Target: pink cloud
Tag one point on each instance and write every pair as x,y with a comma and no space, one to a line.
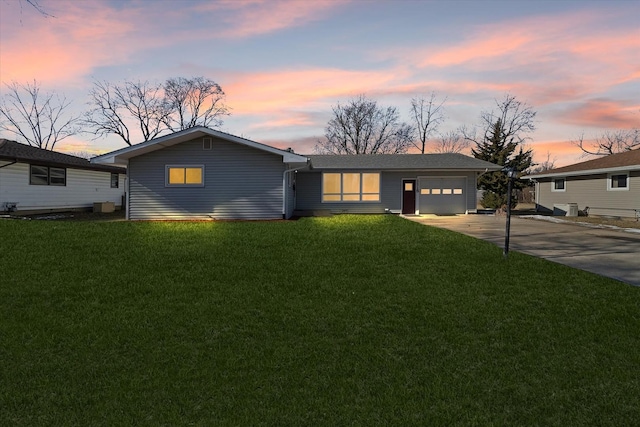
251,93
254,17
603,113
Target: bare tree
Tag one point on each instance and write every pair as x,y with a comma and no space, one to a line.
427,114
516,117
610,142
546,165
115,108
40,119
151,109
451,142
363,127
196,101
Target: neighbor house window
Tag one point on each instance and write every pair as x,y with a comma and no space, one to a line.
558,184
115,180
618,182
351,187
185,176
45,175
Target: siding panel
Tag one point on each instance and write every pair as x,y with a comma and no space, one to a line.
591,191
239,183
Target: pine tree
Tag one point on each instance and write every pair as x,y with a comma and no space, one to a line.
501,149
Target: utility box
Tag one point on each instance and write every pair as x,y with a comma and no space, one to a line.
573,209
104,207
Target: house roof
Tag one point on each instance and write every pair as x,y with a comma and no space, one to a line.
17,152
123,155
445,161
620,162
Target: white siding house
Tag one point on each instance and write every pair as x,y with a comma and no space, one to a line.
36,180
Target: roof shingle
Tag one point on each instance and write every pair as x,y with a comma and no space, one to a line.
626,160
445,161
12,150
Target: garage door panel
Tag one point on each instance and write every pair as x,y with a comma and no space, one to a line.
442,195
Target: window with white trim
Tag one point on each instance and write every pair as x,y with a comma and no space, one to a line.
616,182
351,187
47,175
115,180
184,176
558,184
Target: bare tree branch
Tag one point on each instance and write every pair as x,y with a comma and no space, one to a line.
451,142
427,115
197,101
39,119
610,142
36,5
362,127
517,120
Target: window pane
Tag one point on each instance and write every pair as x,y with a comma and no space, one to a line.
39,175
457,191
331,183
559,184
57,176
408,186
446,191
351,183
194,176
115,180
435,191
371,197
351,197
331,198
176,175
371,183
424,191
618,181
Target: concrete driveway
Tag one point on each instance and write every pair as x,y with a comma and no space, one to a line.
610,253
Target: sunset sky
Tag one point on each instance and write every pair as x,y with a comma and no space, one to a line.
283,65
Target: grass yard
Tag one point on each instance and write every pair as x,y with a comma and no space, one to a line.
350,320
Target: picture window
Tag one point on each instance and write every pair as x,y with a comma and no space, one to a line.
351,187
47,175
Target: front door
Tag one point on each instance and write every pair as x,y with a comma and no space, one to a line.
409,196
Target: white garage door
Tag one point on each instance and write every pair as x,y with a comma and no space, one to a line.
442,195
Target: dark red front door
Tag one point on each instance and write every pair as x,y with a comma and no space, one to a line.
409,196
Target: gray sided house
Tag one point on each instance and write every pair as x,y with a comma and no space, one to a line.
33,180
200,173
397,183
608,186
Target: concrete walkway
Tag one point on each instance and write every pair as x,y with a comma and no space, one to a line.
610,253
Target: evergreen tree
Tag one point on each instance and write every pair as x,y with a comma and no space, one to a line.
502,149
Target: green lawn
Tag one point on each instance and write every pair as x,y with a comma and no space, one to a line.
350,320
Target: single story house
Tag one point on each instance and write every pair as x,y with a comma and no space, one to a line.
200,173
606,186
33,180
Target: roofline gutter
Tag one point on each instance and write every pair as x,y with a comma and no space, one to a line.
583,172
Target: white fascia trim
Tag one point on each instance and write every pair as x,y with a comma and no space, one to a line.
584,172
122,155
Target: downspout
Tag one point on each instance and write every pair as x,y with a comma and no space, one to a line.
284,188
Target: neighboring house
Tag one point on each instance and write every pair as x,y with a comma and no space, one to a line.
606,186
34,180
200,173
